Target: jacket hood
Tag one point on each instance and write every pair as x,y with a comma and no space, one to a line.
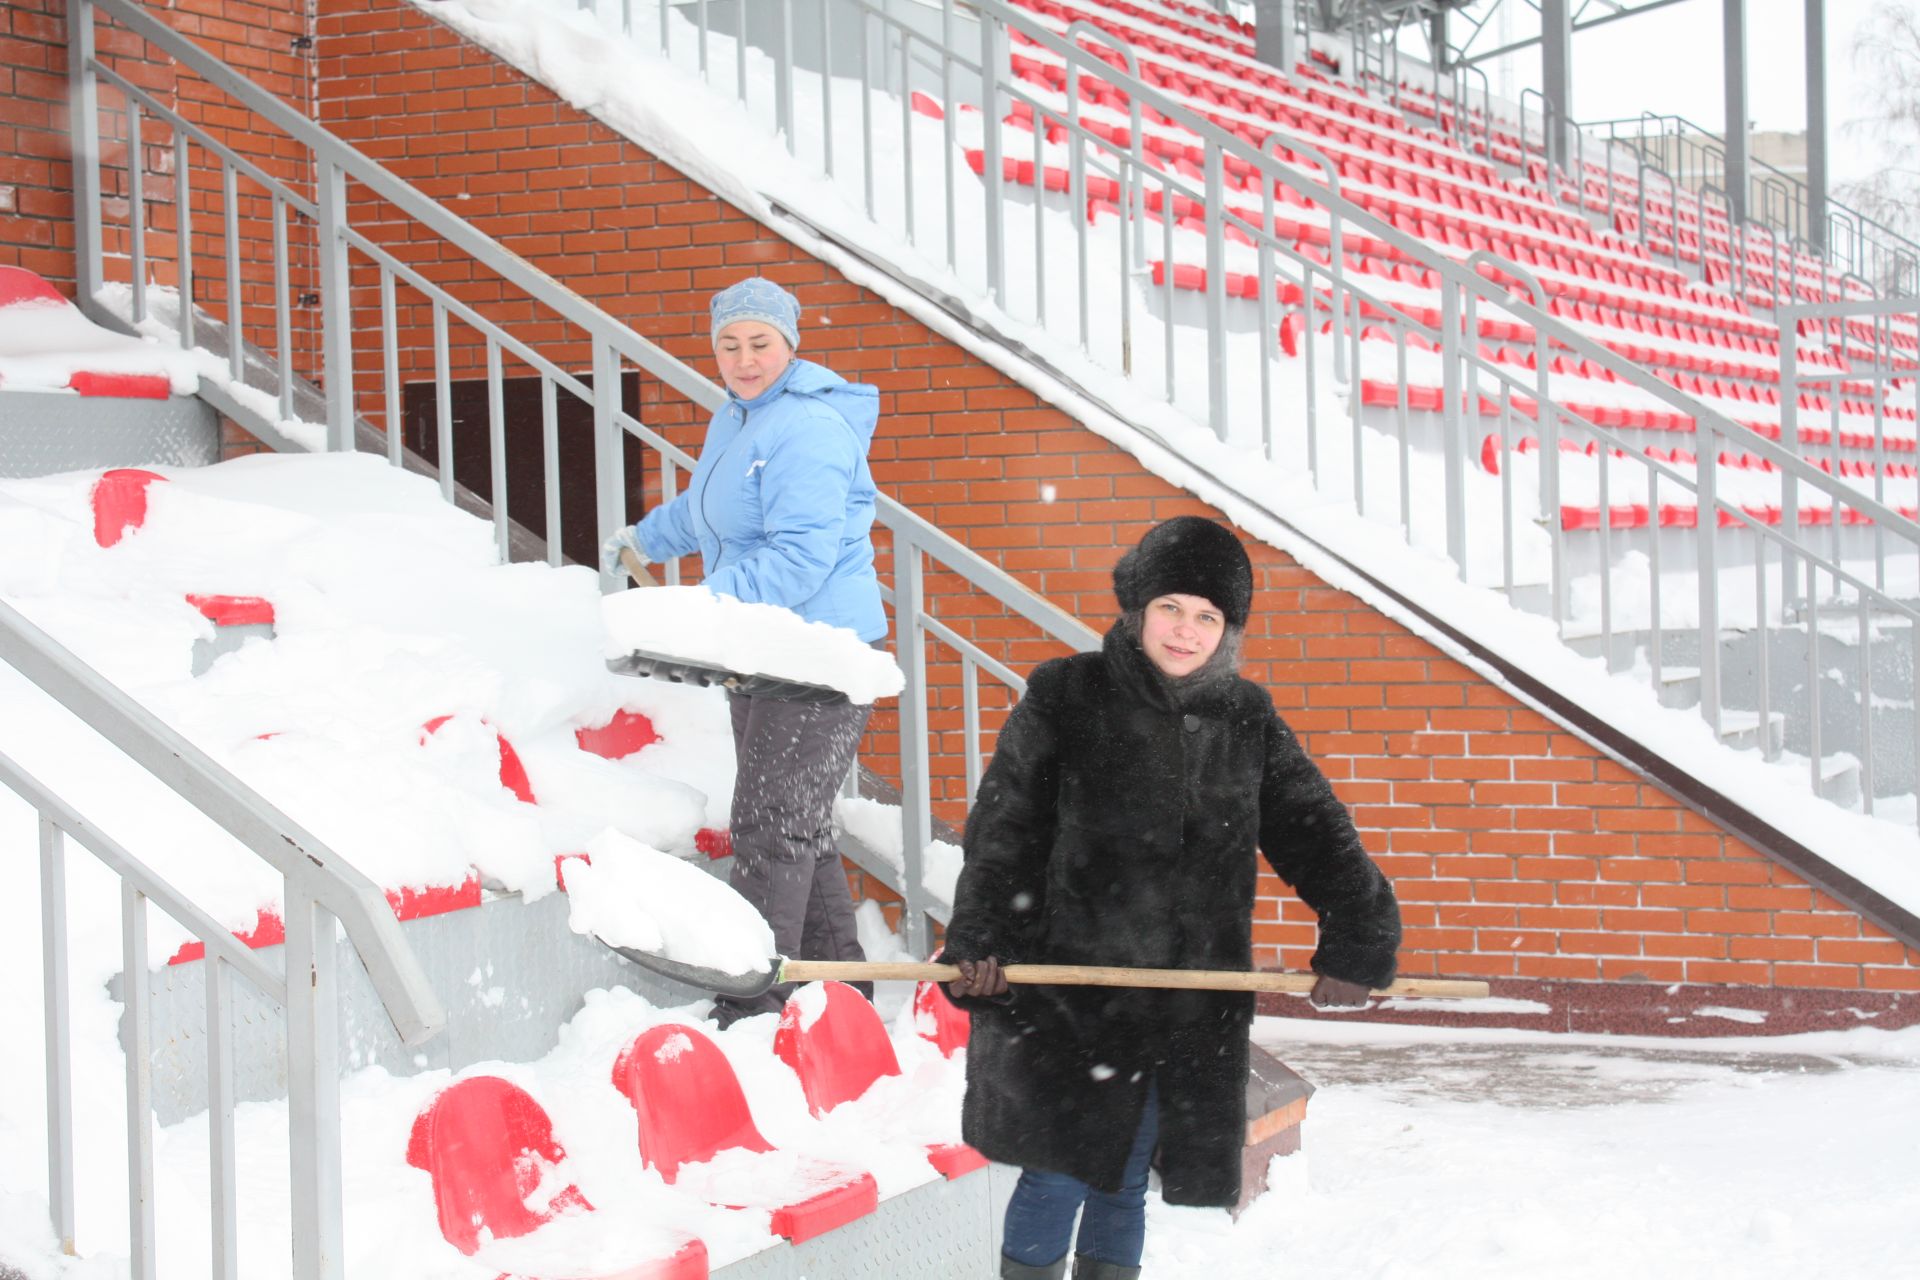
856,402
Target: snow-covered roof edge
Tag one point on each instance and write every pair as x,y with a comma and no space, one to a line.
1870,863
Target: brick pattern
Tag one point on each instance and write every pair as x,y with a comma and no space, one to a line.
35,156
1518,851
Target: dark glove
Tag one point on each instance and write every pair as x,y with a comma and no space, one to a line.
1338,993
981,979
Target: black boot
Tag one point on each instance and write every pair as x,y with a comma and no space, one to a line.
1011,1270
1088,1268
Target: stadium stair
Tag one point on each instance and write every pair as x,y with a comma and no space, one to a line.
81,396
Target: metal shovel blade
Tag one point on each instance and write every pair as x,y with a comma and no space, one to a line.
740,986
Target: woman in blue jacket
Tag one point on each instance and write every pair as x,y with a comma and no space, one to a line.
780,508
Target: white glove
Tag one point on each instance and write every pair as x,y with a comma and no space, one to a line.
610,551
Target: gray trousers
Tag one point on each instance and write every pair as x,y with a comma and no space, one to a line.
790,759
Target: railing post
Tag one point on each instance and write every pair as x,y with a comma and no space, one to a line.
991,43
1217,292
916,780
136,1039
59,1032
783,75
1453,416
1706,533
83,98
336,310
1789,484
609,457
313,1089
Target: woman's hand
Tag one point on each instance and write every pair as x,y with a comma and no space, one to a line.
1337,993
623,540
982,978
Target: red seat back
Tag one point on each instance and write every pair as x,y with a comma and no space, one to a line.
686,1095
939,1020
120,503
835,1042
487,1145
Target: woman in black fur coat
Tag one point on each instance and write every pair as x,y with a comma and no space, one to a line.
1117,825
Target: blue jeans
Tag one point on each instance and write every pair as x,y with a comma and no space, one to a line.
1113,1225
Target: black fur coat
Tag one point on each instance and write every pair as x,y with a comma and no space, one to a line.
1117,825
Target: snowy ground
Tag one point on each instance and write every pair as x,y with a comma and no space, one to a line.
1434,1153
1500,1153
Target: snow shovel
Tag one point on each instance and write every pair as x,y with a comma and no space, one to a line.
658,666
745,986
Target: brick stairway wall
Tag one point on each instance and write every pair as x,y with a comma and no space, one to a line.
258,40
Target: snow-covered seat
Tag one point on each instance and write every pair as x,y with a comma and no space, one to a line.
835,1042
837,1045
47,344
696,1130
490,1149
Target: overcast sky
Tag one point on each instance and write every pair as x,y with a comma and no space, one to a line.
1669,62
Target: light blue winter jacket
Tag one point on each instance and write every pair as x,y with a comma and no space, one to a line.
780,505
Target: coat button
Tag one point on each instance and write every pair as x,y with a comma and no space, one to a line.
1191,723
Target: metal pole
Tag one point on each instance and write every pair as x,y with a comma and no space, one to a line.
1215,176
1556,75
1274,41
1817,177
996,264
1734,49
59,1038
83,97
609,458
1453,416
1706,530
313,1089
137,1037
783,76
336,309
223,1185
916,781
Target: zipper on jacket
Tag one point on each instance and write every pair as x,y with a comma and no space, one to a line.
742,411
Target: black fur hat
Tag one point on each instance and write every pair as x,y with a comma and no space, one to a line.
1191,556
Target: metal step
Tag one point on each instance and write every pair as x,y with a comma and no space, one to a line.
1742,730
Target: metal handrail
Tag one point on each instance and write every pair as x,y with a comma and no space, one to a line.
319,888
1867,236
1346,297
612,340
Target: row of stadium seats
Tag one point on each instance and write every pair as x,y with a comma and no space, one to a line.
500,1173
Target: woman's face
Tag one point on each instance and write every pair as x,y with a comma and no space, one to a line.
752,356
1179,633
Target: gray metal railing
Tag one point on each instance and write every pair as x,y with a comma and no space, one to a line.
1694,158
376,335
1464,303
319,889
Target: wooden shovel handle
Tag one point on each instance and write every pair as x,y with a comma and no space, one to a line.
636,570
1081,975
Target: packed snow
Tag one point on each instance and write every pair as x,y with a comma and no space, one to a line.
45,341
695,625
628,895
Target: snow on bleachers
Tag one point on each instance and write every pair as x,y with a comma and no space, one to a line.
1702,339
46,344
448,724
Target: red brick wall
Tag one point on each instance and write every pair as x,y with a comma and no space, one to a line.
35,152
1519,852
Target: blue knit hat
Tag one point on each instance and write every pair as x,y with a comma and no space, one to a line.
757,298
